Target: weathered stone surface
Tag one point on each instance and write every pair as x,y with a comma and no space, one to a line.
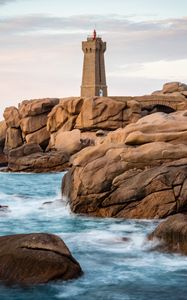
72,105
32,124
40,137
63,116
12,117
3,130
184,93
115,181
36,107
13,139
172,234
39,162
25,150
93,113
158,127
172,87
101,113
68,141
175,90
36,258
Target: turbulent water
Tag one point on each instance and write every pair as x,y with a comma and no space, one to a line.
113,253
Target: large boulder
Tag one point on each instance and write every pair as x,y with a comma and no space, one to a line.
176,89
36,107
172,87
13,139
37,161
101,113
34,123
115,181
40,137
12,117
36,258
25,150
158,127
68,141
63,116
171,234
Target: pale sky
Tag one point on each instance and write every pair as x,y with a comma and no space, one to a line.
40,52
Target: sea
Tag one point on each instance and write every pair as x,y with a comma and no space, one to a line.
117,260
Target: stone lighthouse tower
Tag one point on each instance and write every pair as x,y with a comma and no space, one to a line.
93,77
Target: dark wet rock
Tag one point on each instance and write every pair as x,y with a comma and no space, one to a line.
47,203
3,160
125,239
4,208
36,258
171,234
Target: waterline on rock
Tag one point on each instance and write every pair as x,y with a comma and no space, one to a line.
113,253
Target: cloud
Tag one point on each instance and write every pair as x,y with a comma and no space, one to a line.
41,55
3,2
139,41
154,70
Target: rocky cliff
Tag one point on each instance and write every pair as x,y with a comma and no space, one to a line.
127,156
42,134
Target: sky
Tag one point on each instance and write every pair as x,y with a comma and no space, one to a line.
40,46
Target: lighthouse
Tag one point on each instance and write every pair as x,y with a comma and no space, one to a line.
93,77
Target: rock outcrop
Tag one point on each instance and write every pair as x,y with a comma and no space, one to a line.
89,115
29,108
171,234
27,123
36,258
157,127
128,183
13,139
70,124
31,158
176,88
131,177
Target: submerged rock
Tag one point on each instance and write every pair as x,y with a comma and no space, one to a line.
36,258
4,208
172,234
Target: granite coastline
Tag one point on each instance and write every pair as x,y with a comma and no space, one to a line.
125,157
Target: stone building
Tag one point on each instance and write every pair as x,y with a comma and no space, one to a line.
93,77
